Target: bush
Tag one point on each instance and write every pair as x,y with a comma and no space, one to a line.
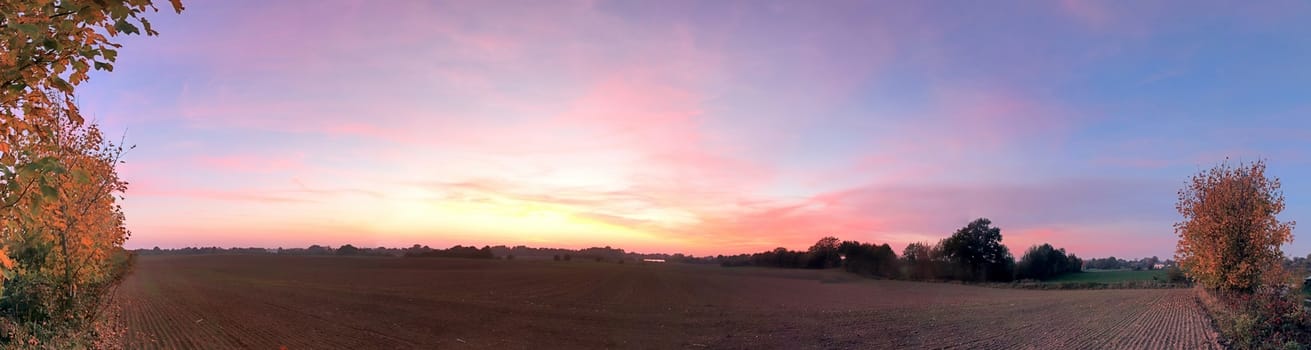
1231,235
1175,275
1269,318
39,315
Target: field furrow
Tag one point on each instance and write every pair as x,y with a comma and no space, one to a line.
230,302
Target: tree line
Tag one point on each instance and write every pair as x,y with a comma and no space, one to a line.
596,254
458,251
415,251
972,253
1113,263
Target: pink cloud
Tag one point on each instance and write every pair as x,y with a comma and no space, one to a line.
966,128
996,118
147,189
252,163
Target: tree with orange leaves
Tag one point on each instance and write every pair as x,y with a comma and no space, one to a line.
1230,237
48,47
63,240
61,229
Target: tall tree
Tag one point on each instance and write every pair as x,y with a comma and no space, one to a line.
824,254
1230,235
62,244
62,229
977,252
918,260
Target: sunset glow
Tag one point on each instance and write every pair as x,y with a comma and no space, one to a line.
702,127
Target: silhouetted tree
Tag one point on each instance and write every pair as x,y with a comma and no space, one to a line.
976,251
457,251
1110,263
348,250
824,254
1044,262
779,257
318,250
869,259
416,250
918,260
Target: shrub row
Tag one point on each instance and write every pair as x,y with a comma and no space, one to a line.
1269,318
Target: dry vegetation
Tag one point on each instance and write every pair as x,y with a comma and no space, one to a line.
334,302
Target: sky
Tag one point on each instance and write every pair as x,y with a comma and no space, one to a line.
703,127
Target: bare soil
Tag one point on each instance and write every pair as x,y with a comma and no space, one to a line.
225,302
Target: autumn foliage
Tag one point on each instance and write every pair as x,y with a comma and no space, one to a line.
47,47
61,228
1230,236
63,238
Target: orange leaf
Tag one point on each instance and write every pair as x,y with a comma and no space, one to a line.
5,260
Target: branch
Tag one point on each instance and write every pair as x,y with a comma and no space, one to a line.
20,195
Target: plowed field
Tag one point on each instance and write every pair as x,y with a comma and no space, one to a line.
226,302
